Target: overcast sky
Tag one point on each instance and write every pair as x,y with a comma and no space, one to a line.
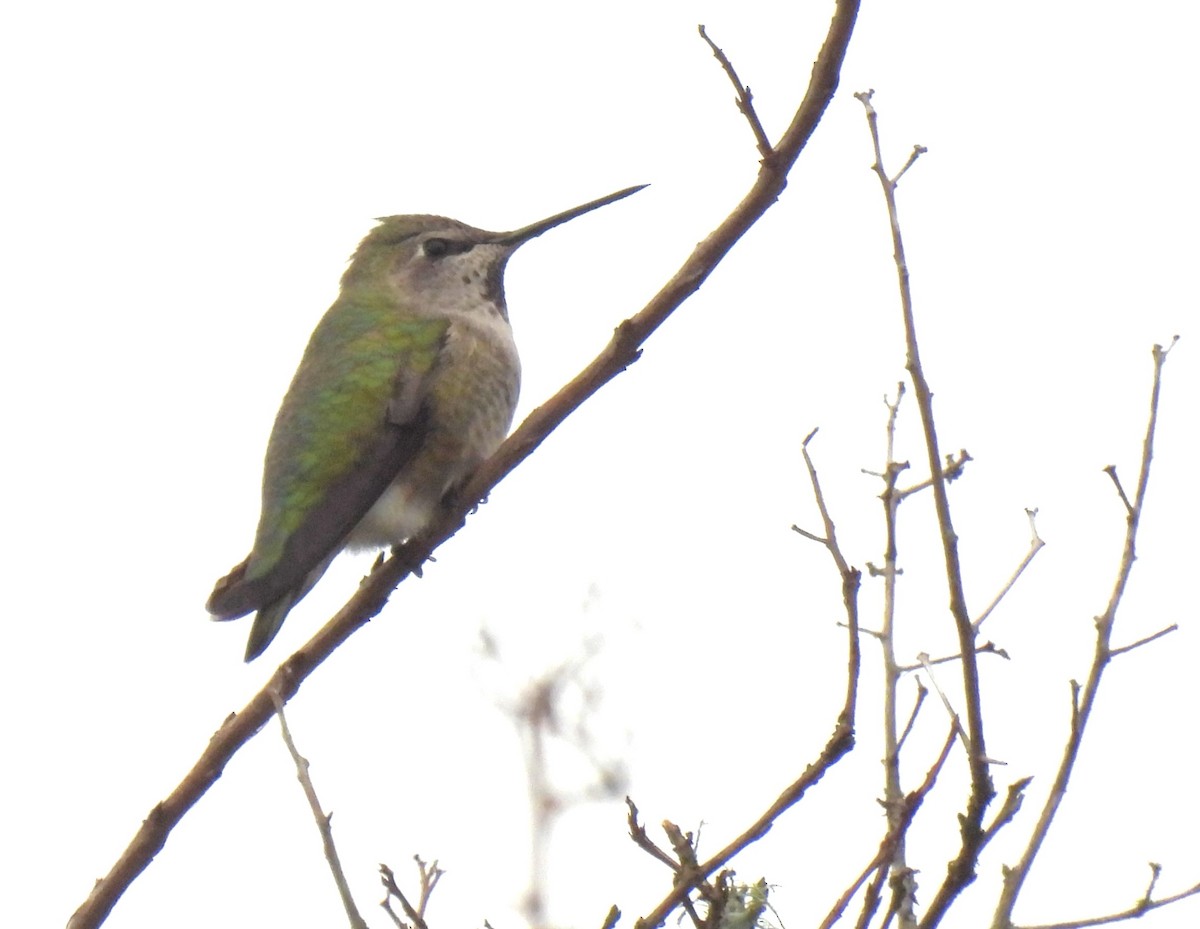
181,189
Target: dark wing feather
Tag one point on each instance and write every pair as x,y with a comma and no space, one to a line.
325,528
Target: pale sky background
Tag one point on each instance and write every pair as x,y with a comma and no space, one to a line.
181,188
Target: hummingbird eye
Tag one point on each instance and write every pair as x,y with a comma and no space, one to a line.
439,248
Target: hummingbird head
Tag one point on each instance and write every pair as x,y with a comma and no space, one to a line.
438,266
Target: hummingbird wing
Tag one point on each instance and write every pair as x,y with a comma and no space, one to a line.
354,415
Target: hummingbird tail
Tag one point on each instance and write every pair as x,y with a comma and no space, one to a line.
267,623
270,617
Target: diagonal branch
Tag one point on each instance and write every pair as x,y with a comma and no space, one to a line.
1014,877
1139,909
323,820
623,349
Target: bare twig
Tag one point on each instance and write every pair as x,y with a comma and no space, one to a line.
952,470
322,819
1012,805
917,152
851,578
745,99
1145,640
622,350
950,711
429,873
642,839
1141,908
829,540
1084,699
922,693
987,648
961,871
1035,546
1111,471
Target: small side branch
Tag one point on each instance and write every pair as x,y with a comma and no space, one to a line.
745,99
986,648
1113,653
1141,908
1035,545
323,820
851,579
430,874
1012,805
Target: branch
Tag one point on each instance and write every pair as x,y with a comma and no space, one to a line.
622,350
987,648
1035,546
429,873
1084,699
323,821
1145,640
961,871
1012,805
1142,907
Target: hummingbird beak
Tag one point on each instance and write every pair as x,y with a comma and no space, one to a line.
536,229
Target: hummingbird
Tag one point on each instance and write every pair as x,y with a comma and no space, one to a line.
408,384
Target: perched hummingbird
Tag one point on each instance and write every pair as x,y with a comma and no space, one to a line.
408,383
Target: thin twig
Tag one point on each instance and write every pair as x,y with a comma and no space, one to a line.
950,711
1111,471
829,540
987,648
1035,546
952,470
1146,640
917,152
922,693
388,879
323,821
851,578
1142,907
745,99
642,839
1012,805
